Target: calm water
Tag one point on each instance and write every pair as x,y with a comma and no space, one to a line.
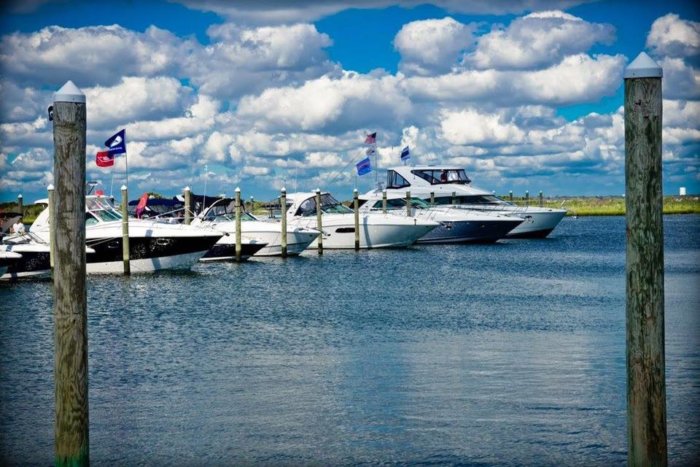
511,353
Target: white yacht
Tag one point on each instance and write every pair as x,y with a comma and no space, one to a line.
451,186
221,216
153,245
456,225
8,258
377,230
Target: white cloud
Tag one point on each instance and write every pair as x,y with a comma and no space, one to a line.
537,40
335,105
468,127
680,80
135,98
89,55
672,36
578,78
431,46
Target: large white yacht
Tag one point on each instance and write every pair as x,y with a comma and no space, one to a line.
153,245
8,258
451,186
456,225
221,216
377,230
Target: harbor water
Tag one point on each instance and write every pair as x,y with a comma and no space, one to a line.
510,353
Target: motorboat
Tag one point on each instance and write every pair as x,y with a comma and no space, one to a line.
449,185
7,258
153,245
221,216
456,225
377,230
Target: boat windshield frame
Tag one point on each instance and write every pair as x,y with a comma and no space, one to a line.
223,211
102,209
329,205
443,176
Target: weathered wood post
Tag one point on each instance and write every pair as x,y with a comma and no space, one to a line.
510,195
283,212
408,203
646,385
52,227
356,208
319,221
20,204
432,198
125,231
238,224
527,198
454,197
71,428
187,194
384,201
252,205
541,199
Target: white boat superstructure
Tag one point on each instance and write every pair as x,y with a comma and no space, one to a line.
153,245
449,185
456,225
221,216
377,230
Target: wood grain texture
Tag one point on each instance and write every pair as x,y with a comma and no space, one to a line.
646,387
356,208
319,222
238,226
125,233
283,210
70,297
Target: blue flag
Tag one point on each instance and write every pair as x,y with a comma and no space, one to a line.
364,166
117,143
405,154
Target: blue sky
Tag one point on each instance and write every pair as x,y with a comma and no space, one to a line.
526,95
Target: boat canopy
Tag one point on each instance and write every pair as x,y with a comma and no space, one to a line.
224,210
432,175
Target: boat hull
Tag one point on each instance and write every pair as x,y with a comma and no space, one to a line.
35,262
537,223
225,250
481,231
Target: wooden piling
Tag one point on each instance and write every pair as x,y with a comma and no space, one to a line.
283,212
71,428
187,194
52,227
252,205
527,198
356,209
20,204
408,203
319,221
384,201
510,195
125,231
541,199
432,198
454,197
646,387
238,224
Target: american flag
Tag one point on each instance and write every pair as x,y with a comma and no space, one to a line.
371,138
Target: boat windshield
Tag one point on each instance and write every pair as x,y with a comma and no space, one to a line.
225,212
102,210
443,176
329,205
489,200
400,203
395,180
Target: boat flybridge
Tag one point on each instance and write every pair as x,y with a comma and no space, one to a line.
450,185
221,216
153,245
377,230
456,225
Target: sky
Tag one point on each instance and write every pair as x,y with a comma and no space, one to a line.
265,94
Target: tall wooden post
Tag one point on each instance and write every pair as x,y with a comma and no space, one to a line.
283,212
252,205
541,199
71,428
646,385
125,230
432,198
408,203
319,221
187,194
356,209
238,224
52,227
20,204
454,197
527,198
384,201
510,195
